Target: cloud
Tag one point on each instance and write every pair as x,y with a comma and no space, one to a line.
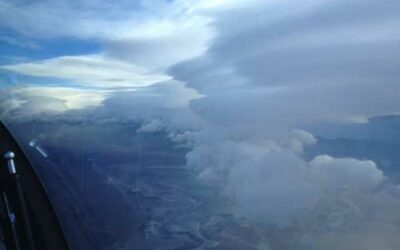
183,139
83,16
298,139
293,68
90,70
91,18
160,52
139,40
32,101
284,186
347,174
262,79
264,174
154,34
167,102
152,126
324,203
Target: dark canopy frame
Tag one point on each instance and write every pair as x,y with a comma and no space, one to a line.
43,222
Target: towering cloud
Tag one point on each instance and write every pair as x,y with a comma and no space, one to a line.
281,65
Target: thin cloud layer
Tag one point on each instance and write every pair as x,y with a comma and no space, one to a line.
92,70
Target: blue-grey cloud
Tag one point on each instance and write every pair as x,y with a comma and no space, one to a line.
282,65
